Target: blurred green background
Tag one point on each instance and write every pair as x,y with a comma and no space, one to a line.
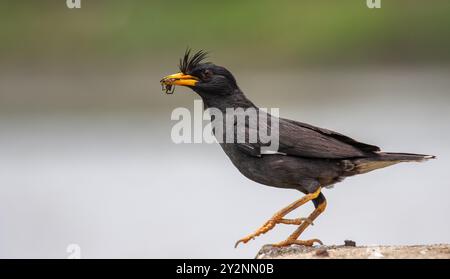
282,32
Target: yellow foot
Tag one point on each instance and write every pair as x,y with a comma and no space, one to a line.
288,242
270,225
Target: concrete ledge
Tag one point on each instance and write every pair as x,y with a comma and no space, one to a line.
351,251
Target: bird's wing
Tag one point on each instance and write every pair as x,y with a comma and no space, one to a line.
304,140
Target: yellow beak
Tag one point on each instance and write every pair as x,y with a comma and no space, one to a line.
179,79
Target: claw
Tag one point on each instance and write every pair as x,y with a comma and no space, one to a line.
243,240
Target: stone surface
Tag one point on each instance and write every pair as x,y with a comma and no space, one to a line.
437,251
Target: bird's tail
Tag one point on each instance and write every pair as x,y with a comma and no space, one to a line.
385,159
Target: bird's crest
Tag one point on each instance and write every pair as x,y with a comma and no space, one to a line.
188,62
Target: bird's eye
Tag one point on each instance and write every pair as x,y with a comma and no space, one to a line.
206,74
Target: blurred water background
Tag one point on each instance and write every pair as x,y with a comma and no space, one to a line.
85,150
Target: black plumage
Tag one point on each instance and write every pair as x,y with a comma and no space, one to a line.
308,157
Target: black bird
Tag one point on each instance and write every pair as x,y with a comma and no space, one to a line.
308,157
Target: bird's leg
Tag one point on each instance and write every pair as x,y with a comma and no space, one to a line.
292,239
277,218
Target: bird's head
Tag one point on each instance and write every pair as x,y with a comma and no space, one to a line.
205,78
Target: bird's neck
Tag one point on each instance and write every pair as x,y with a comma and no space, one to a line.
235,100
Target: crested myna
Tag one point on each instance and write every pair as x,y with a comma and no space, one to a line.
308,157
